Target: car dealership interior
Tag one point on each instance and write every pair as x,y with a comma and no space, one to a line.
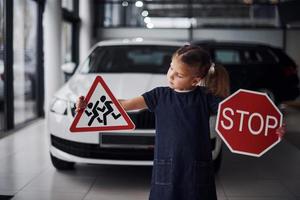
56,53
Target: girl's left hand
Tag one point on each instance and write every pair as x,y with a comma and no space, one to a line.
281,131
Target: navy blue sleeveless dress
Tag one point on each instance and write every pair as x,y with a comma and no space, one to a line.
183,168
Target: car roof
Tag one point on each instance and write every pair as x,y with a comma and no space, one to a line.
232,44
139,41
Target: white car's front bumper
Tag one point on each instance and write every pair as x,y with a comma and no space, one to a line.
85,147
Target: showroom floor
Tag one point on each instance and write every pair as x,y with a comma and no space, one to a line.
27,173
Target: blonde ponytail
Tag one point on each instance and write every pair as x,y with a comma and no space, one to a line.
217,80
211,69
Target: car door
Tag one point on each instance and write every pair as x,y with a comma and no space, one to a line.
246,66
231,59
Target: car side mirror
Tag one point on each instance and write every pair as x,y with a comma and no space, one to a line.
68,68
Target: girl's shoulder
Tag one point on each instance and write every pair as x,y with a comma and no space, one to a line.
203,90
162,89
158,91
206,93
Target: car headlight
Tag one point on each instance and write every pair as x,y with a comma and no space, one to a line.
59,106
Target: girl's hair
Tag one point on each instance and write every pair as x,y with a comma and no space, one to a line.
217,81
195,56
214,77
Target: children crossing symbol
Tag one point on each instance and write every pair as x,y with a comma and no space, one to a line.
103,111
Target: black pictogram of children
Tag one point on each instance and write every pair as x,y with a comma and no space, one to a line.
93,110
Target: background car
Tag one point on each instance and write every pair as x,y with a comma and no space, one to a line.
258,67
129,68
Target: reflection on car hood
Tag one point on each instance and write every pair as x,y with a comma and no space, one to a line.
123,86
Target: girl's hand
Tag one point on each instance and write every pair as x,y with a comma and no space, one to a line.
80,104
281,131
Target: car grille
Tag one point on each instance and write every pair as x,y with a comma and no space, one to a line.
95,151
143,119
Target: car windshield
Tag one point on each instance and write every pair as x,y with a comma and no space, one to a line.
129,59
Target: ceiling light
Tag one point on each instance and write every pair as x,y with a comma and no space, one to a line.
125,3
150,25
139,39
147,20
139,4
145,13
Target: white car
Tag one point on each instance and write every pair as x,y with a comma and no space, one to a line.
129,68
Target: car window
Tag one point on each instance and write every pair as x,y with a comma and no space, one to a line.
227,56
244,56
252,56
129,59
267,56
140,57
281,56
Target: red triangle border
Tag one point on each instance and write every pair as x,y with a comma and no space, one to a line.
130,125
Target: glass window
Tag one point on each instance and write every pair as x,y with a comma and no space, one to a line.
66,42
225,56
24,63
129,59
67,4
1,66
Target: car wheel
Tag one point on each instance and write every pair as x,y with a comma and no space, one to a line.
61,164
218,161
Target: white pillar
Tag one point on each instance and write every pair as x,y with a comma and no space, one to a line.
85,35
52,49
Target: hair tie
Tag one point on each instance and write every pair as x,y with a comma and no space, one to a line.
212,68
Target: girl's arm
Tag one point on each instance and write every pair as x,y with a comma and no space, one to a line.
136,103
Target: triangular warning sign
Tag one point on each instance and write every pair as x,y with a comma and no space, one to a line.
103,111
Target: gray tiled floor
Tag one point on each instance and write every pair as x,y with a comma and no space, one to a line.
27,173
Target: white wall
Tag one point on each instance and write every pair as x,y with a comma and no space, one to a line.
52,48
268,36
165,34
85,33
293,46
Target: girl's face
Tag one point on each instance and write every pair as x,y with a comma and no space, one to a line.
182,77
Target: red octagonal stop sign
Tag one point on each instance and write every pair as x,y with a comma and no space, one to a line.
247,122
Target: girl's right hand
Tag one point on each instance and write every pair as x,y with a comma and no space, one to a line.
80,104
281,131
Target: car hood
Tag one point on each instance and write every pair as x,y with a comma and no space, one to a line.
123,86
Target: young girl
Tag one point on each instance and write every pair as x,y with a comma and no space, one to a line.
183,167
